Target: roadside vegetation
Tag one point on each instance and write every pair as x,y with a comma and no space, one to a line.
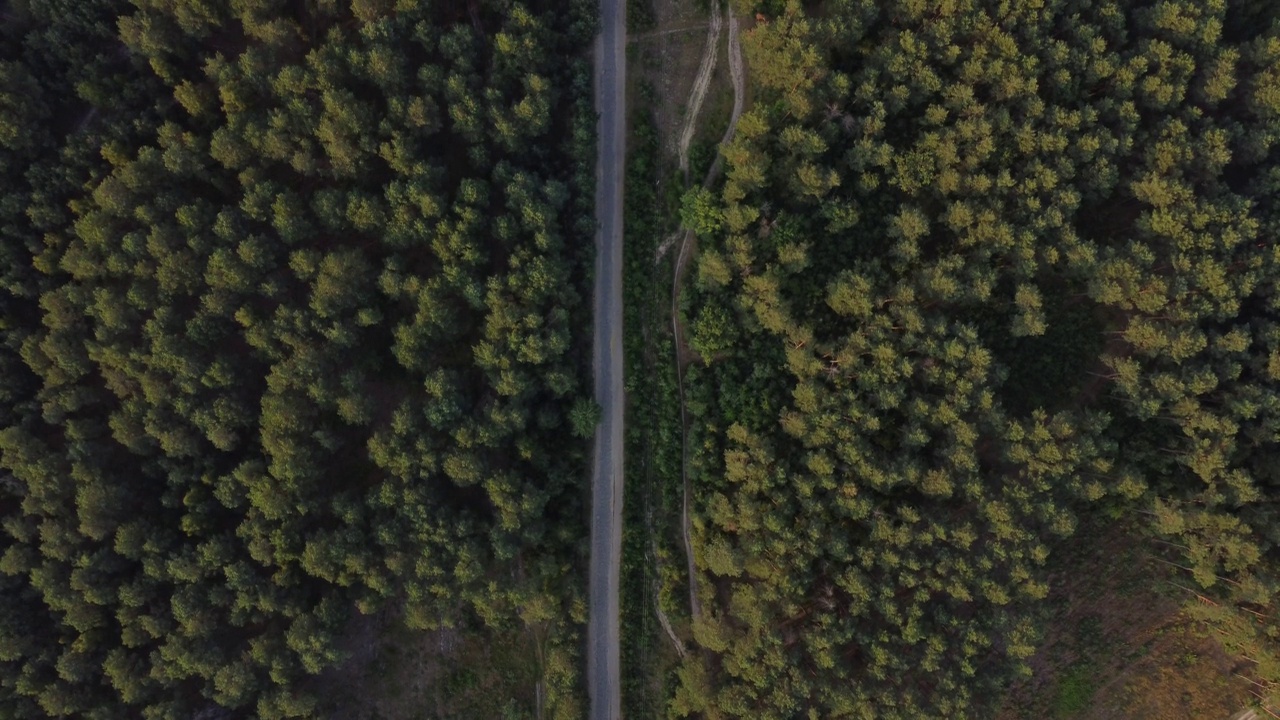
289,299
982,274
653,582
667,70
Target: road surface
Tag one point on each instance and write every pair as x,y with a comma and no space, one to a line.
606,471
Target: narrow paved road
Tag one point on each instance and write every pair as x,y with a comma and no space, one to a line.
606,471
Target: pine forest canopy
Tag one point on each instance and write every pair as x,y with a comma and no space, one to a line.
978,269
288,299
287,291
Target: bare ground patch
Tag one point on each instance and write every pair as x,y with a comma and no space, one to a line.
396,673
668,61
1120,646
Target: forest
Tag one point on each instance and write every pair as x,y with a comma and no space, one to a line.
980,273
289,292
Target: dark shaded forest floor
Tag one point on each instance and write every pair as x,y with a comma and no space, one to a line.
394,673
1118,643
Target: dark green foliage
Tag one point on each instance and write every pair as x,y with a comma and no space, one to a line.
583,418
286,333
1073,693
640,16
639,631
653,489
1049,370
984,267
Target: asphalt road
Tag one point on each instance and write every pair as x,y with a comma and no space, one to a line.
606,472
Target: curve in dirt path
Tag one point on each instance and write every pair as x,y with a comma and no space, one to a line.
603,685
700,85
738,77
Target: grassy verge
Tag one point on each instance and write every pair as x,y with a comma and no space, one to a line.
652,495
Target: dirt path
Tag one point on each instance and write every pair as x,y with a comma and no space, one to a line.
686,527
738,77
641,37
663,620
737,74
700,85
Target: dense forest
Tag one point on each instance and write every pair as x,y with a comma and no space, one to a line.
978,270
288,291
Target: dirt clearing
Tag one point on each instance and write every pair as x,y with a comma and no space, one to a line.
1120,646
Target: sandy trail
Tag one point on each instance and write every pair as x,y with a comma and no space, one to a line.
663,620
700,85
737,75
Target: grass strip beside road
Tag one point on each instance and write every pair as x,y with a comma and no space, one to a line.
652,500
